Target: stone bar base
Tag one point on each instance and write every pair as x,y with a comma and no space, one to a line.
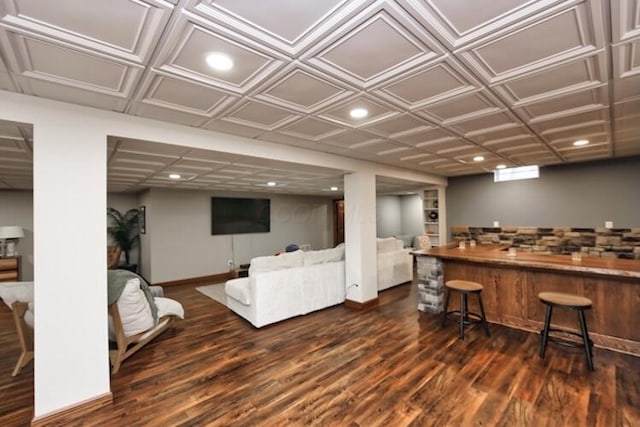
430,284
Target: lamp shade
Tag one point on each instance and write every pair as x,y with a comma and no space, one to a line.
11,232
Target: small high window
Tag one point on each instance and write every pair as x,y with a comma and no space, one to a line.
512,174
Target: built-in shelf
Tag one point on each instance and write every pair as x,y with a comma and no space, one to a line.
433,215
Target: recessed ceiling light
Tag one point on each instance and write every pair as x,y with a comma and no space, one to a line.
219,61
581,142
271,184
501,166
334,188
359,113
478,158
175,176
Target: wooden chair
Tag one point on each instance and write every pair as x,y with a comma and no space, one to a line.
25,335
127,346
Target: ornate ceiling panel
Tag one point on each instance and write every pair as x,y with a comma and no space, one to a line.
516,81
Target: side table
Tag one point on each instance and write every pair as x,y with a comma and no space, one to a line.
240,272
11,269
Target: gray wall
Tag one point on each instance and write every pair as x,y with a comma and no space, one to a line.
397,215
577,195
388,216
412,215
122,201
16,208
180,245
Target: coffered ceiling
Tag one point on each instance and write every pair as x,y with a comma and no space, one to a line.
135,165
444,81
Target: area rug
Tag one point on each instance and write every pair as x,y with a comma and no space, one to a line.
215,292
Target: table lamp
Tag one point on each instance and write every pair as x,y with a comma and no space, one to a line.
9,234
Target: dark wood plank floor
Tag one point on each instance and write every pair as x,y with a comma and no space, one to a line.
387,366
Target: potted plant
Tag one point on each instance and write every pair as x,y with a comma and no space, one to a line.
123,229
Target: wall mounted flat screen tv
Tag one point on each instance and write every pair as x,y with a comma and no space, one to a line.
232,215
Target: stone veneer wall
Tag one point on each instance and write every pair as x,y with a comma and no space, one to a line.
603,242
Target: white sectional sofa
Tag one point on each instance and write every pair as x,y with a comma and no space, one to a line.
288,285
395,263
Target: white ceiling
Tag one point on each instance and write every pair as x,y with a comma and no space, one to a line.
135,165
444,80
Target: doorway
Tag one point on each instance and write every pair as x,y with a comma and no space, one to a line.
338,222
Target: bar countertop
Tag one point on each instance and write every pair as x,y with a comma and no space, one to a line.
496,254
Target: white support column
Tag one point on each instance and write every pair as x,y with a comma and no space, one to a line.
360,236
71,349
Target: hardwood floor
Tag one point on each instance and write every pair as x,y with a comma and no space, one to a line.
386,366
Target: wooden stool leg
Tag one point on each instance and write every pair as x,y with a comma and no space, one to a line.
585,338
466,311
447,294
484,317
463,314
545,331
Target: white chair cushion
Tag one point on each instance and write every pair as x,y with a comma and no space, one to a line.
11,292
134,309
238,289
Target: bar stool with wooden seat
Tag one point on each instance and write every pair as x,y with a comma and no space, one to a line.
571,302
465,288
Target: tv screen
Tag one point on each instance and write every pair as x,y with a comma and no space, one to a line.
231,215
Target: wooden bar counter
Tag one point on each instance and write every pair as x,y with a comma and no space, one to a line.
511,287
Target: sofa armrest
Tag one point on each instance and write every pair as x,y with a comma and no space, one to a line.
239,289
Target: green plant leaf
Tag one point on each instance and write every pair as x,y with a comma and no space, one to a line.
123,229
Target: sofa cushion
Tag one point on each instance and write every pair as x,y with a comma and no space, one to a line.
388,244
324,256
264,264
407,239
238,289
